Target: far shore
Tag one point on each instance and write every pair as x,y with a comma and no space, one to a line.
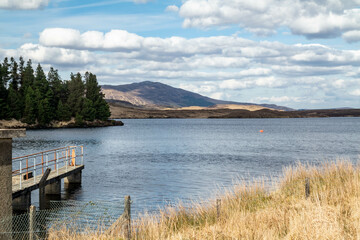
12,124
119,111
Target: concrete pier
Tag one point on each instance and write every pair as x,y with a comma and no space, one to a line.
53,188
73,178
22,203
6,136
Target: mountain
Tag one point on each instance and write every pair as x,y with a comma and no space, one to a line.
158,95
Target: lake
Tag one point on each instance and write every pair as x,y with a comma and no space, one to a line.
161,161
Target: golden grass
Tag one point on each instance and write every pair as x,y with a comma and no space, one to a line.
250,212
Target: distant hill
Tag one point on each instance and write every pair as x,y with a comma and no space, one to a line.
158,95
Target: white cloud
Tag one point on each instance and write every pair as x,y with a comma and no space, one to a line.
172,8
214,66
311,18
352,36
23,4
279,99
141,1
355,92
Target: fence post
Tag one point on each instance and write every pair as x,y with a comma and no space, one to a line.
32,222
218,207
307,187
127,216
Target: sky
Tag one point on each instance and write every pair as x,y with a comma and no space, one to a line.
303,54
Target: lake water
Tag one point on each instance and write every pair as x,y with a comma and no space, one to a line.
158,161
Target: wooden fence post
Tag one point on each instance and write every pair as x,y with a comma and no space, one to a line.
127,215
307,187
218,207
32,222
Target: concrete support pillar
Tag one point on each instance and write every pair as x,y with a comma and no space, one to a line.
22,203
53,188
6,136
73,178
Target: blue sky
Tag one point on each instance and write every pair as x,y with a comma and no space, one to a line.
296,53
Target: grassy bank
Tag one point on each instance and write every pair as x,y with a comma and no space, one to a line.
250,212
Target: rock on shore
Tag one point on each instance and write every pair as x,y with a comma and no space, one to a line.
59,124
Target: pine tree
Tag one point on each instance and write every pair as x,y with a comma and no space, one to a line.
93,93
14,103
76,93
14,76
28,77
63,112
40,81
30,106
88,111
4,78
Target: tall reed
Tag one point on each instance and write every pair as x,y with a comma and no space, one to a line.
249,211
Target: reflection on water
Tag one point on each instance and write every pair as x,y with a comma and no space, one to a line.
157,161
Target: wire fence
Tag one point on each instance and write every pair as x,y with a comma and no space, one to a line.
72,215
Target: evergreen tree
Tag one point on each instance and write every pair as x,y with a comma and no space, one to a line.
40,81
102,109
88,111
93,93
76,90
79,120
44,118
4,78
30,106
28,78
63,112
14,103
14,76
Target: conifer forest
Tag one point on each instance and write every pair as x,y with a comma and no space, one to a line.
33,97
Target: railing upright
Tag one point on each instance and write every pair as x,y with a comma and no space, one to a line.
27,167
57,162
82,155
42,163
34,170
21,174
66,159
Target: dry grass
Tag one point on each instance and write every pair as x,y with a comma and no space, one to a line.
250,212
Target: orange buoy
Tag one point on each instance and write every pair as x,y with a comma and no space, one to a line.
261,131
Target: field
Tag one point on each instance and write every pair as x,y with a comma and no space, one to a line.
249,211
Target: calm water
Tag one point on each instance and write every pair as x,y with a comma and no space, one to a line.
163,160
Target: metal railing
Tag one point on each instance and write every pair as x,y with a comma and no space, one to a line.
34,165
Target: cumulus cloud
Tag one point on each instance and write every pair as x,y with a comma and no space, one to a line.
23,4
280,99
311,18
172,8
352,36
221,66
355,92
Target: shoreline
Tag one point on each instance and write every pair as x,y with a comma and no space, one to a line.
122,112
14,124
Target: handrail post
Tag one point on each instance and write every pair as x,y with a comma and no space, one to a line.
82,155
27,168
66,160
57,162
42,163
20,174
34,170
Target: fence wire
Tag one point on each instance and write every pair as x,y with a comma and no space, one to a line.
71,215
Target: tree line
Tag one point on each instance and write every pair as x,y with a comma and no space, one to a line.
35,98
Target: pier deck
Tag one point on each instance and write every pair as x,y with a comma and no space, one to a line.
31,184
